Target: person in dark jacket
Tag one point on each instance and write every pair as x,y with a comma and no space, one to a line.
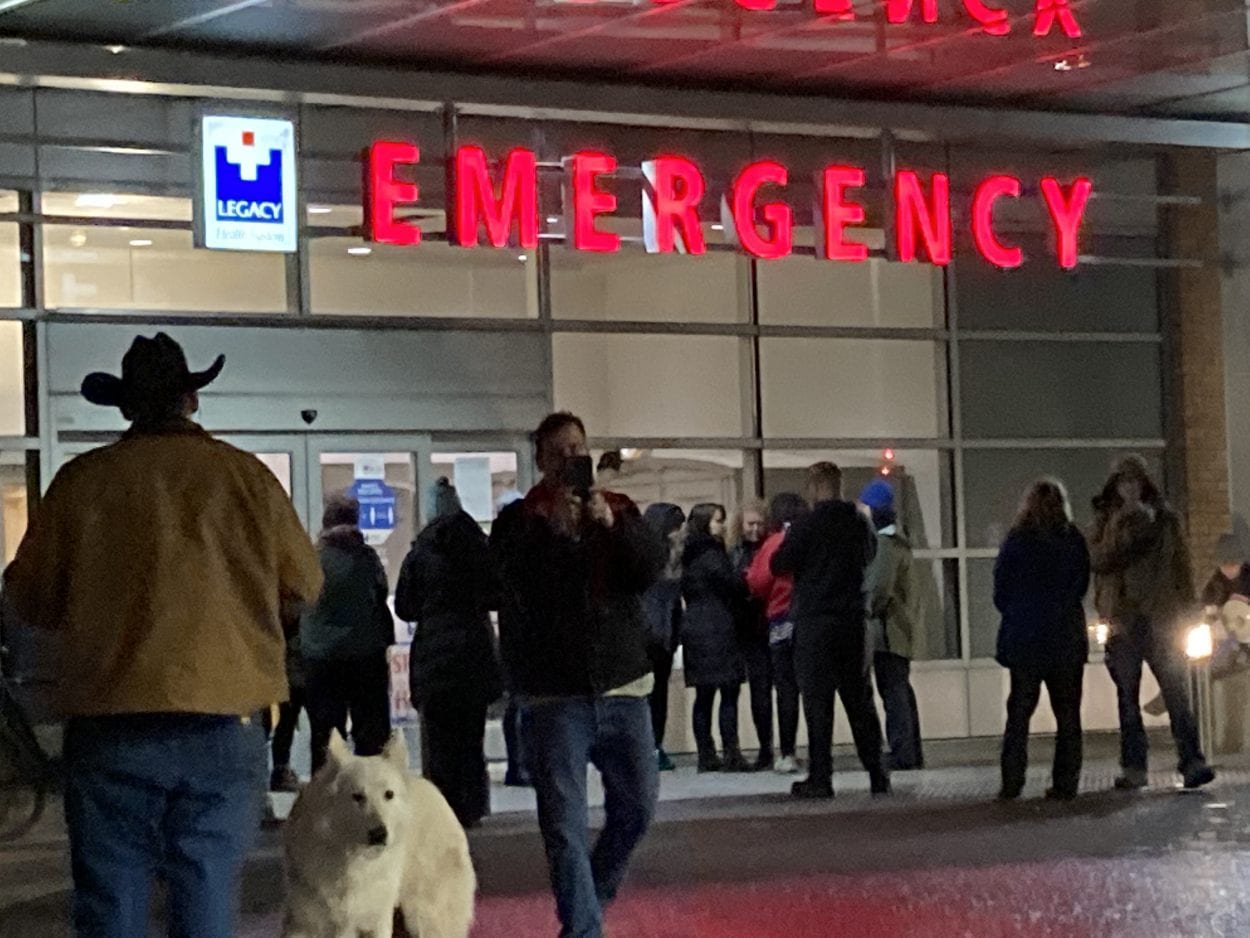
344,638
446,587
662,603
283,777
715,599
746,537
574,563
1040,580
895,614
828,553
1144,589
775,592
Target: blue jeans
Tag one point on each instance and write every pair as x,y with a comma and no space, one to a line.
613,734
177,796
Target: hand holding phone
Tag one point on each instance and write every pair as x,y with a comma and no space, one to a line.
578,475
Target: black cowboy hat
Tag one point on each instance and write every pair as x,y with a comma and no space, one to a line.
154,368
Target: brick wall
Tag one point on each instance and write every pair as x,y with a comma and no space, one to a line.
1194,360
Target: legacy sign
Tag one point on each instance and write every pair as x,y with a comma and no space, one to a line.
247,185
499,202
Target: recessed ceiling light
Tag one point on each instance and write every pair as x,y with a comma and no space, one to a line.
140,243
553,219
522,257
78,239
360,251
116,50
718,227
97,200
319,210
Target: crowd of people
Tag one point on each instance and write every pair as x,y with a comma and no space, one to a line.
180,629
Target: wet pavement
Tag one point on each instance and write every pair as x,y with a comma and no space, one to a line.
938,859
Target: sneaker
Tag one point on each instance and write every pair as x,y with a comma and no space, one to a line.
786,765
284,779
764,761
1132,780
663,762
807,790
1199,774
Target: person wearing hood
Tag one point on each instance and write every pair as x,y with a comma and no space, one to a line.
662,605
344,638
895,615
1040,580
715,599
828,552
447,588
1144,589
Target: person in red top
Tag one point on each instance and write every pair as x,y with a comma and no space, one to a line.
775,592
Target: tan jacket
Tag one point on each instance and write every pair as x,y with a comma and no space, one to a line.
163,562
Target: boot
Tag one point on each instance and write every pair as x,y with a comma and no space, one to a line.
709,761
736,762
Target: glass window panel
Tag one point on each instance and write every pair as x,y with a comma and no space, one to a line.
853,388
995,482
1092,298
921,480
805,291
349,277
650,385
15,512
12,380
339,472
1061,390
9,201
938,637
155,269
10,266
106,204
683,477
634,285
463,469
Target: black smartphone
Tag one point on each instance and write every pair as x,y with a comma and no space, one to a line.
579,475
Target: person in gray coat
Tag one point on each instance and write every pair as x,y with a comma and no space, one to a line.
715,597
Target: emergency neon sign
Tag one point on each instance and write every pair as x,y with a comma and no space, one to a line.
1049,16
499,206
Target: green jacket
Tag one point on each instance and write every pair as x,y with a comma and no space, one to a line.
895,611
1142,568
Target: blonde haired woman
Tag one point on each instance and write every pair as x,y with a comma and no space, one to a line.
746,537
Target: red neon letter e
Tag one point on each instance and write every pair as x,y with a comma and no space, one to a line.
933,220
590,201
897,11
757,4
476,201
842,9
383,192
778,217
1067,212
993,20
1048,11
993,250
838,213
676,189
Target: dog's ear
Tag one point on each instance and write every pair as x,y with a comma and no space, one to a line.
396,750
337,750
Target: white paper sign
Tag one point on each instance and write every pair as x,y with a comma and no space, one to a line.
472,480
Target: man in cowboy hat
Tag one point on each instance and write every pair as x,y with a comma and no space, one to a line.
165,564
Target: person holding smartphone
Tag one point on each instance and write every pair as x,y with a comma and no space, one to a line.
574,562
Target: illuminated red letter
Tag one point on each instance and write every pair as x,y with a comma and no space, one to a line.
898,11
589,201
778,217
757,4
993,250
475,198
839,213
1048,11
383,192
672,202
994,20
1067,211
933,220
842,9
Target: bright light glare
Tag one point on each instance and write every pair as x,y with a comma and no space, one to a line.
1199,643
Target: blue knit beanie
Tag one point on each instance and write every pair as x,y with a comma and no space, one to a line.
878,495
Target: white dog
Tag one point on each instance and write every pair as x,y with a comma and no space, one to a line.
366,837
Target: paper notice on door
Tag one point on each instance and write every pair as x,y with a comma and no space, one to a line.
472,481
369,466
